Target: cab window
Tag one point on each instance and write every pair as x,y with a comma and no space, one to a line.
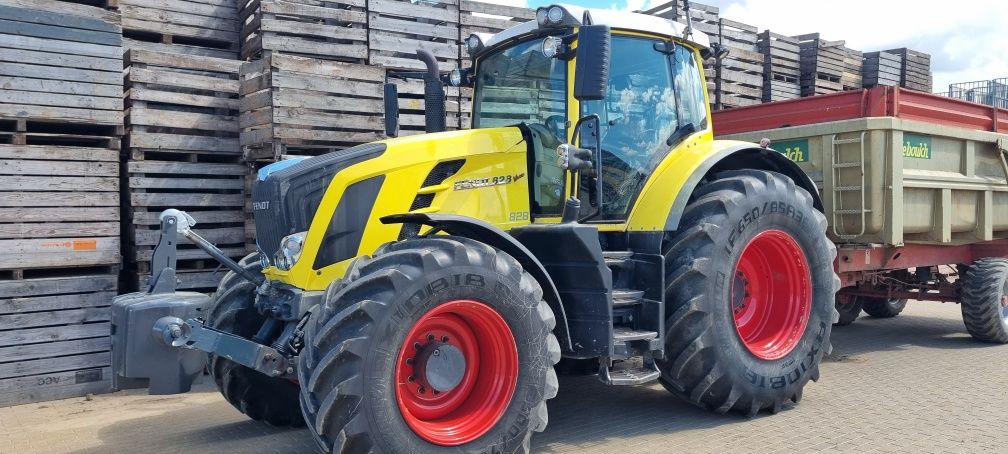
638,116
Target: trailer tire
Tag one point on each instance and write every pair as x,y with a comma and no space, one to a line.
269,399
714,355
361,391
850,311
883,308
984,300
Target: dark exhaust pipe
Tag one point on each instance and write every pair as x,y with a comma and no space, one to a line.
434,95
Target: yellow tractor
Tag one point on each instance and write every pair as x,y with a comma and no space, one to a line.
417,294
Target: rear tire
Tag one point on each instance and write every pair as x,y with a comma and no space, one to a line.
984,300
883,308
707,360
270,399
850,311
355,369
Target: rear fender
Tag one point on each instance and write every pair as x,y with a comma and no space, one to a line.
486,233
735,157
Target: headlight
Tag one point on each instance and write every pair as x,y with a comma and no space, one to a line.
290,250
473,44
455,77
552,46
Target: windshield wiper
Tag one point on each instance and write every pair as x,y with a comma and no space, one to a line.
680,133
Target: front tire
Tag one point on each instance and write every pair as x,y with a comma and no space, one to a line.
270,399
984,300
367,383
749,296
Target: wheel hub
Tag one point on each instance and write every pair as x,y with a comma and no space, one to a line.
441,365
771,294
456,372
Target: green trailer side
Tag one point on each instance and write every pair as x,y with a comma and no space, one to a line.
891,181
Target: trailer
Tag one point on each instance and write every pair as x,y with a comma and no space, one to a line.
915,190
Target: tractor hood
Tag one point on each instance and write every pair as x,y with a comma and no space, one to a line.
335,199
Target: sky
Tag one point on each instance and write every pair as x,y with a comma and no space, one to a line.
966,38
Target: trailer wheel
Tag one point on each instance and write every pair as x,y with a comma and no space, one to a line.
848,309
883,308
984,300
436,344
270,399
750,294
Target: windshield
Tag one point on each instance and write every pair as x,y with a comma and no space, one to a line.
520,85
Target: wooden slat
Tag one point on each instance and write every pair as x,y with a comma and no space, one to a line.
58,253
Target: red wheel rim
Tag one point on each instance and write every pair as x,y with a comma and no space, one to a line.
771,294
472,407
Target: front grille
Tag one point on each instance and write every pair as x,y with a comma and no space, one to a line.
285,201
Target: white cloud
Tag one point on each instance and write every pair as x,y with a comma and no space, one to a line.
965,38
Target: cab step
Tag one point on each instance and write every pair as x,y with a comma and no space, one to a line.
623,334
626,297
629,373
616,258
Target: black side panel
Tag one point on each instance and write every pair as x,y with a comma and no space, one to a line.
437,175
343,236
573,258
286,200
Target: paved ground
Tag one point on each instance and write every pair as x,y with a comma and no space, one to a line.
916,383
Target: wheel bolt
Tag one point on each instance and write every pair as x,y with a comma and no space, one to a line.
444,339
416,345
421,390
436,392
409,361
430,337
410,378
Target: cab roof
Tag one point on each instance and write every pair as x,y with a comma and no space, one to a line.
620,20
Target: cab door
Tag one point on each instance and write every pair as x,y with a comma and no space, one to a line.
650,108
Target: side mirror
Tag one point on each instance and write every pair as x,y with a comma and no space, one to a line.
591,73
391,110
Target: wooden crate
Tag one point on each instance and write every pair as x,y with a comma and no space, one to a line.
397,28
741,81
54,335
181,105
202,27
58,207
489,18
781,66
881,68
328,30
915,72
822,64
298,105
853,61
60,67
213,193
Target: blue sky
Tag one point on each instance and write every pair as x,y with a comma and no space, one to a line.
965,38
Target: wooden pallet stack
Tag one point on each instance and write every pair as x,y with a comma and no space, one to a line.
781,66
484,19
60,128
741,81
822,64
327,30
182,139
299,105
881,68
853,61
915,72
193,27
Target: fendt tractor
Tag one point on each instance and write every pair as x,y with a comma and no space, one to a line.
416,294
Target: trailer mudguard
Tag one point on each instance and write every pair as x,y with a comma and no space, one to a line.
489,234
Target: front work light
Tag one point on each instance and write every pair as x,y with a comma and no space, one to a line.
554,16
474,44
552,46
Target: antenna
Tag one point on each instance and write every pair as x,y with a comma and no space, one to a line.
688,32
